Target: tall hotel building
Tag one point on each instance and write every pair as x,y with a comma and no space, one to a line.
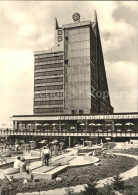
71,96
70,78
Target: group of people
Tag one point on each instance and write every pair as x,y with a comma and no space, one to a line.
20,164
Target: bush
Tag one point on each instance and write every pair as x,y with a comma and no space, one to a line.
118,184
108,190
90,188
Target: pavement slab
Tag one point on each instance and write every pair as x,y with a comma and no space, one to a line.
79,188
43,169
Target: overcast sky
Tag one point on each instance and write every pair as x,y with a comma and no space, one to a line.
28,26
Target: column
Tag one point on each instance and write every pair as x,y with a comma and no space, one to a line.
59,126
69,141
86,125
15,124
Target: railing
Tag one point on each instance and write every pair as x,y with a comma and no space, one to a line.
9,132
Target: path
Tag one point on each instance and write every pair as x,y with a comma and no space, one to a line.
126,175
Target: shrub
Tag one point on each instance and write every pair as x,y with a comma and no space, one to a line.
90,188
108,190
118,184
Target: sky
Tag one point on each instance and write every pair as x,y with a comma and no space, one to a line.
28,26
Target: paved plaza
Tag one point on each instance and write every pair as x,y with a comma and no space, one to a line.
61,162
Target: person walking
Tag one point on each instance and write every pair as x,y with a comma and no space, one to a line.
46,155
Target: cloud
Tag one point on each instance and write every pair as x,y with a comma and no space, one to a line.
122,85
126,12
16,78
121,45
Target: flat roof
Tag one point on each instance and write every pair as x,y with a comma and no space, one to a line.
38,115
100,116
77,24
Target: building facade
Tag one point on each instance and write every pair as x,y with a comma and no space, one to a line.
70,78
71,96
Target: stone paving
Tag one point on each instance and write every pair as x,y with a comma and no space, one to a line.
126,175
79,161
12,159
65,160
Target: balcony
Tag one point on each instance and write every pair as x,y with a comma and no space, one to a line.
65,132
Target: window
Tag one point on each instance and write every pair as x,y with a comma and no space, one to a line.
60,38
66,61
80,111
59,32
66,39
72,111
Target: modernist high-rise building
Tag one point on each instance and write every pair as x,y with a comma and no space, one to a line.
70,78
71,96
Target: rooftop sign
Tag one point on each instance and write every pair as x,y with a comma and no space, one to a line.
96,117
86,117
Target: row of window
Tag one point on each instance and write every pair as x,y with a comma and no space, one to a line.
54,87
48,76
47,110
49,80
48,55
49,62
47,84
49,59
48,106
47,91
50,102
42,96
57,72
45,69
49,66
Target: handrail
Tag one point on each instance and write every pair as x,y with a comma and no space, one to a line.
68,133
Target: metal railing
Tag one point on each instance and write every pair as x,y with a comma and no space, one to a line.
26,132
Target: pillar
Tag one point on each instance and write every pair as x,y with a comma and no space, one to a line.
69,141
86,125
59,126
